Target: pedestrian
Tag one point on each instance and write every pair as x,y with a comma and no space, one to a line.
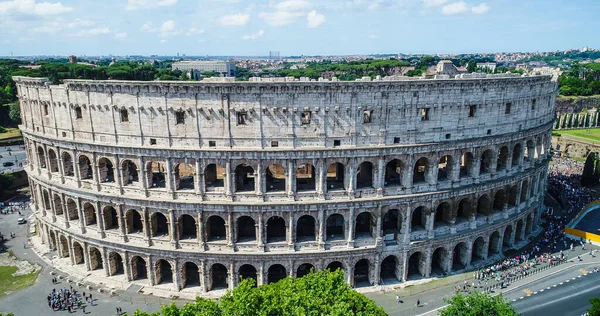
118,311
24,246
397,299
418,302
83,309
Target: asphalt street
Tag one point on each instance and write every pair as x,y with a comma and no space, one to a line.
14,154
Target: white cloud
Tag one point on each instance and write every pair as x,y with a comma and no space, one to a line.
293,5
280,18
238,19
194,31
103,30
480,9
455,8
315,19
121,36
253,35
433,3
32,7
60,24
167,29
148,27
148,4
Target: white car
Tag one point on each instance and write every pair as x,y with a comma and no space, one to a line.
21,220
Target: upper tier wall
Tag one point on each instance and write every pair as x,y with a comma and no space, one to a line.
284,114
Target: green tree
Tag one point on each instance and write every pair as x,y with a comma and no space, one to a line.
15,112
477,304
589,170
595,309
471,65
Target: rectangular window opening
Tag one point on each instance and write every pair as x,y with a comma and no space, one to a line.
305,118
64,134
533,104
336,143
180,117
507,108
124,115
425,114
448,136
46,109
242,116
152,141
367,116
212,143
396,140
472,110
489,132
78,114
274,143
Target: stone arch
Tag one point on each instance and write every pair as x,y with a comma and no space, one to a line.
53,160
244,178
418,219
214,176
416,265
163,272
460,256
335,176
420,170
363,225
276,229
77,253
41,155
89,214
190,275
275,273
524,189
530,150
484,205
109,216
439,261
305,177
58,205
364,175
507,240
479,250
445,166
156,173
513,195
494,246
159,224
276,177
361,273
486,162
106,171
335,265
305,228
499,201
246,229
72,211
335,227
215,228
85,168
95,258
67,164
304,269
502,162
129,171
466,165
134,221
393,172
248,271
465,209
519,230
389,267
187,227
516,155
392,222
139,270
443,214
115,264
185,175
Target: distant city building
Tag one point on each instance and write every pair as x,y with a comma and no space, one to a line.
73,59
446,67
196,67
490,66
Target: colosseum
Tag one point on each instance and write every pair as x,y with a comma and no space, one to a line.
190,186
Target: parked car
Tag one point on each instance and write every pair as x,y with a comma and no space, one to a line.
21,220
8,164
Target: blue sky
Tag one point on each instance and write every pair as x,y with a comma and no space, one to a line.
294,27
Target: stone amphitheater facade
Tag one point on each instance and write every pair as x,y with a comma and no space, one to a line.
190,186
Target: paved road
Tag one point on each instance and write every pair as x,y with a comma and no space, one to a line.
15,154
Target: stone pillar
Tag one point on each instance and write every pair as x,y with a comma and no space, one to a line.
428,257
375,273
260,181
321,181
122,221
291,232
81,217
260,236
378,229
150,270
291,179
509,161
147,228
170,181
351,228
431,173
177,281
95,171
229,226
227,179
321,233
173,232
430,223
127,266
100,220
203,276
200,181
118,174
105,262
351,175
59,162
142,176
380,176
201,233
468,255
404,264
231,276
260,274
71,252
86,256
455,171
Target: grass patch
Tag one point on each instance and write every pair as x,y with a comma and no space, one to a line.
590,135
10,133
10,284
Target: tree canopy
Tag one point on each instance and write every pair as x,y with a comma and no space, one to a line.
478,304
595,309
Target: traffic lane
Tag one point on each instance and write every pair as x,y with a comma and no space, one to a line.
568,299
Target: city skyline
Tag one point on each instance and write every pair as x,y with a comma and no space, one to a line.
293,27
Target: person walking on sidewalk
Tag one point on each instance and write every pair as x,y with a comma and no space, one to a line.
418,302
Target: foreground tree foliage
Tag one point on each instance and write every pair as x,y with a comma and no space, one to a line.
478,304
595,309
320,293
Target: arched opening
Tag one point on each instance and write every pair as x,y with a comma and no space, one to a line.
276,272
215,228
335,176
484,205
392,222
190,275
163,271
334,266
507,240
466,165
439,260
445,168
158,221
218,277
109,215
364,177
335,227
305,177
494,243
41,157
420,170
106,172
499,201
516,155
129,172
388,268
524,189
58,207
214,176
85,168
519,230
529,151
393,173
362,227
67,164
47,204
72,211
184,177
478,252
134,222
305,228
138,268
187,226
361,273
443,214
486,162
246,229
248,271
155,170
244,178
513,194
275,229
115,263
77,253
275,177
304,269
416,265
95,259
459,257
419,219
89,214
53,160
502,158
465,210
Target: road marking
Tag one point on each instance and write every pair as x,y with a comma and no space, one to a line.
527,291
534,293
579,276
555,285
573,278
514,300
567,281
584,271
542,290
521,297
549,287
561,283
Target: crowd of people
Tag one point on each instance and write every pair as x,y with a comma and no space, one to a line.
564,179
68,300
